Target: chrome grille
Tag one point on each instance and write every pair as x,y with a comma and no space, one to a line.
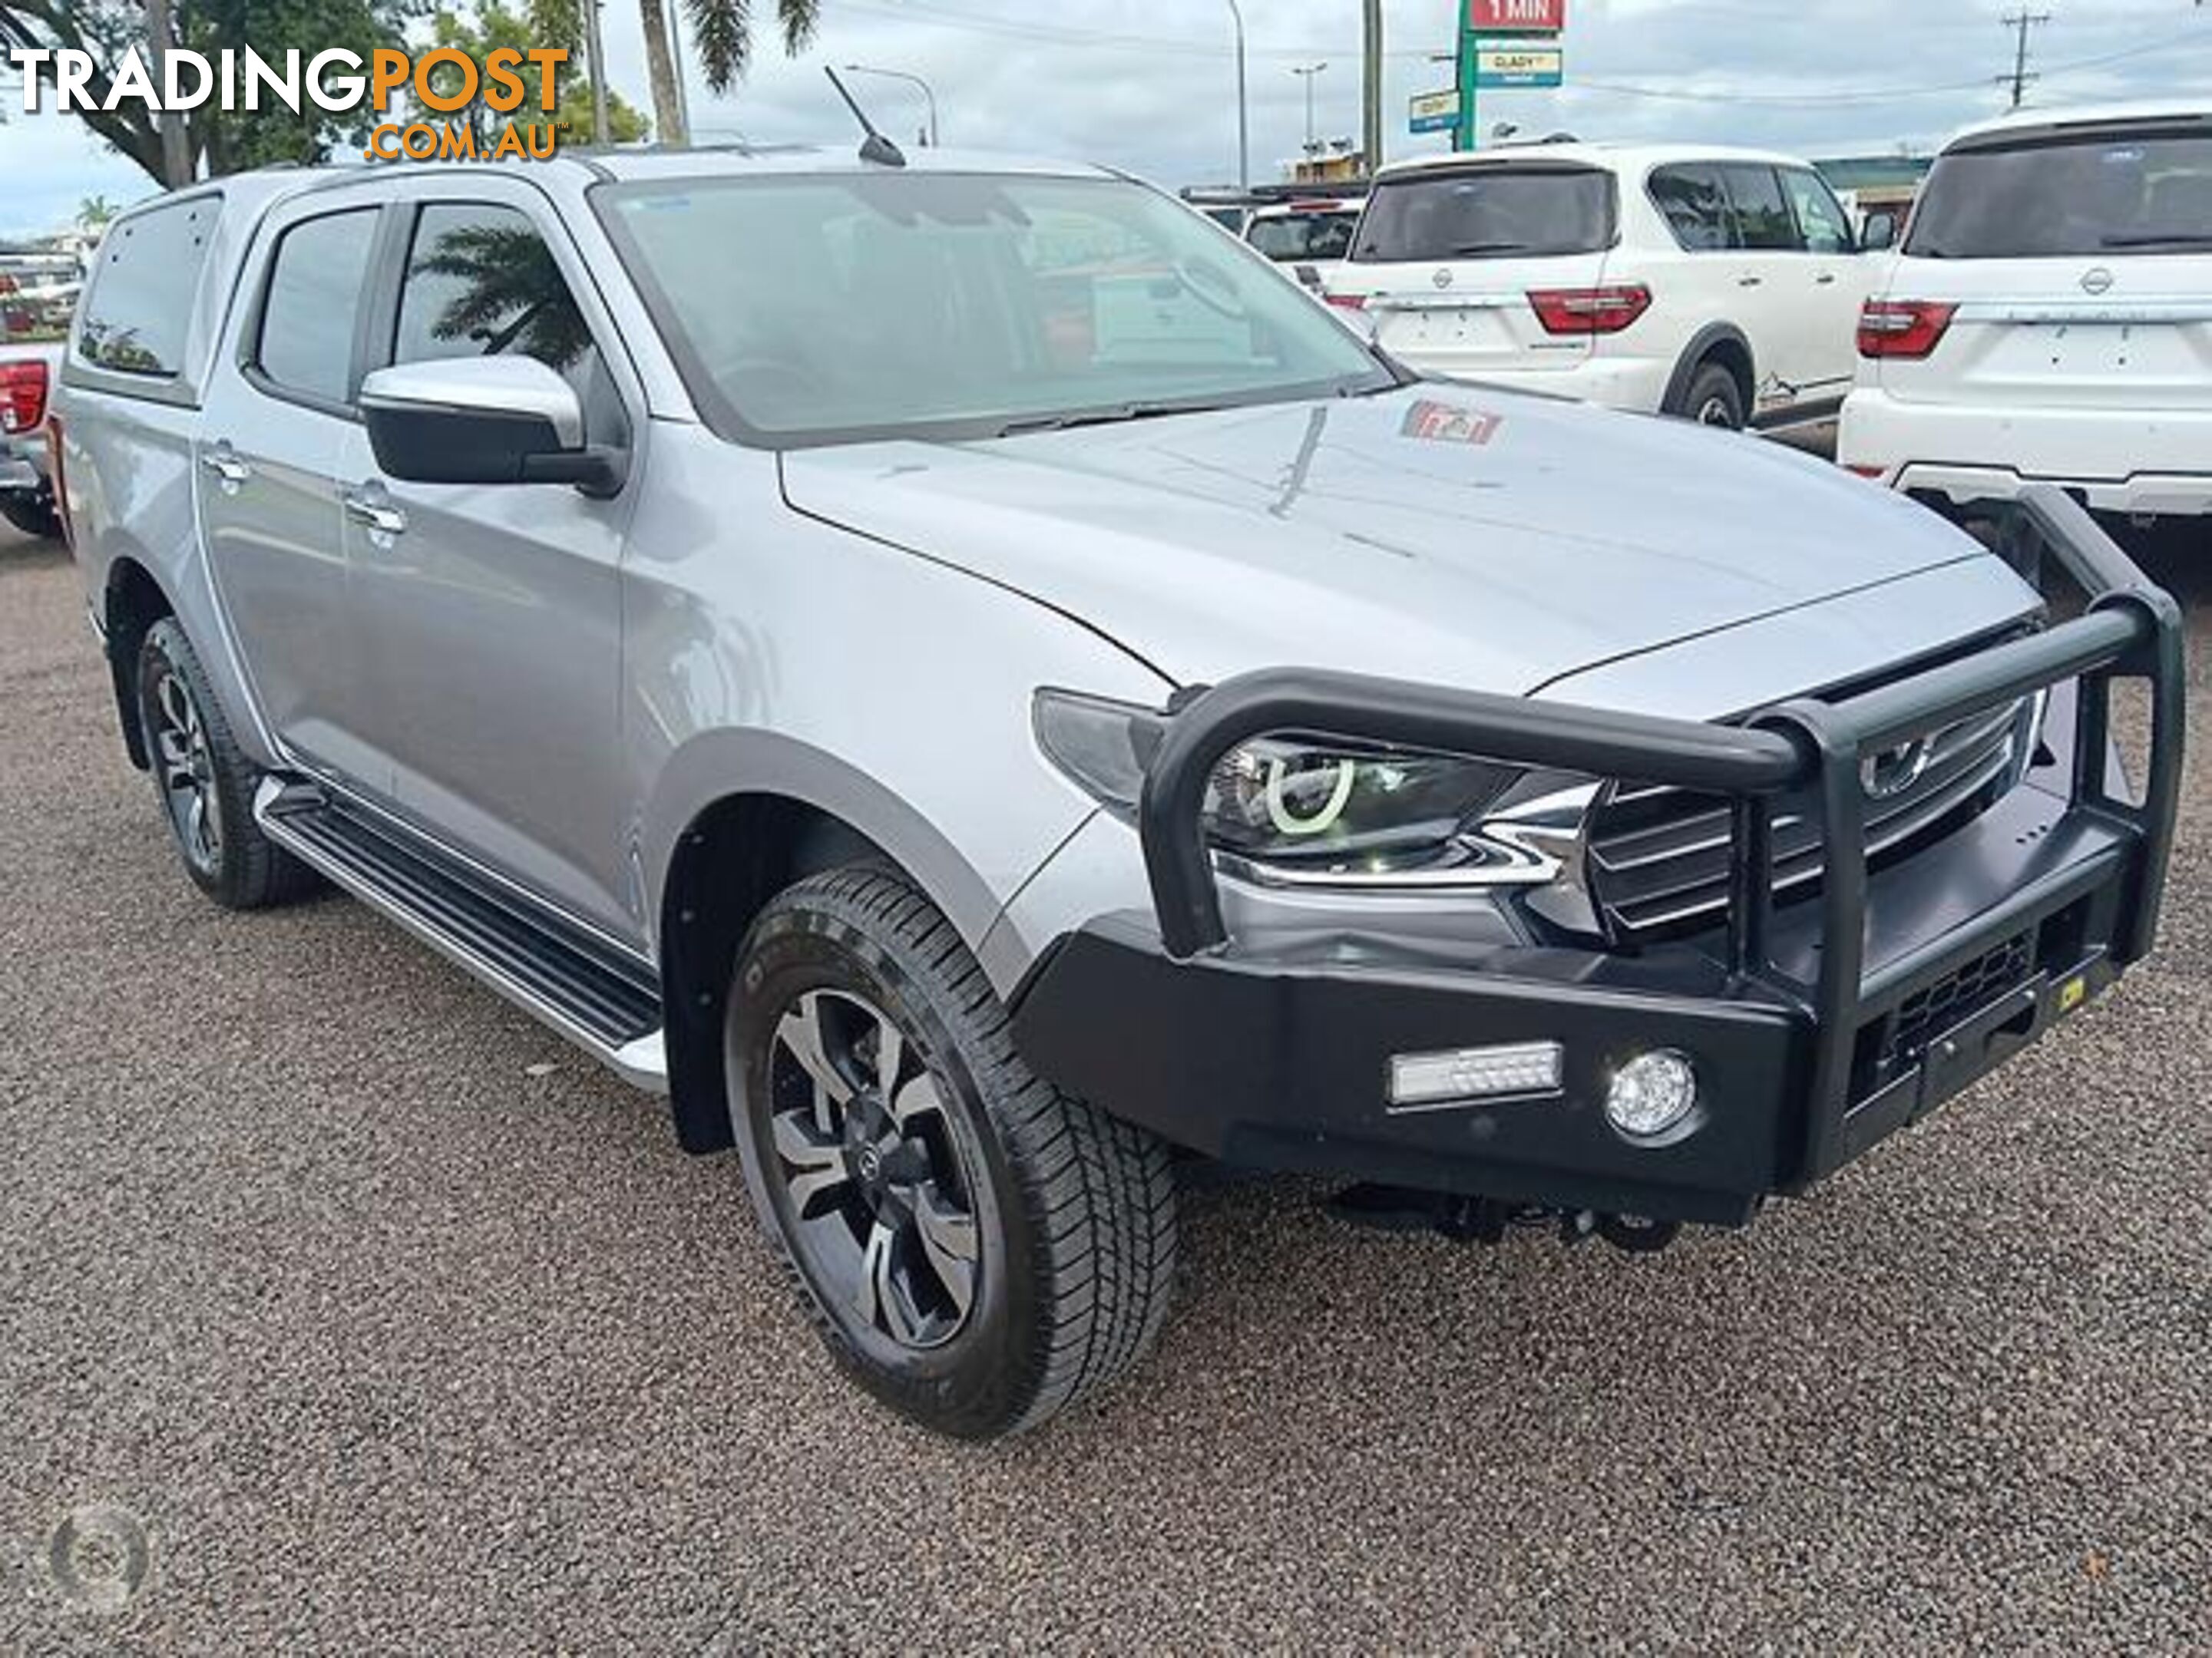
1661,858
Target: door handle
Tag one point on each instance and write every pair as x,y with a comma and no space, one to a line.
1751,281
1825,279
227,467
379,517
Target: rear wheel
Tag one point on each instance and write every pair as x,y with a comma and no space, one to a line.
204,783
1712,399
33,516
977,1249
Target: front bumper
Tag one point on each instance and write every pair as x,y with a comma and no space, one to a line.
1816,1028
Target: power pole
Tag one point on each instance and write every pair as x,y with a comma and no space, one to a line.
1306,72
1371,127
2022,22
595,56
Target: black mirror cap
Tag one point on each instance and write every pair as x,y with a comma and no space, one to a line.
419,443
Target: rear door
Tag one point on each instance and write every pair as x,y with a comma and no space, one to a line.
2079,263
269,439
1445,259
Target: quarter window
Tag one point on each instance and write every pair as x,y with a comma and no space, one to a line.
140,306
1762,215
1696,207
481,282
311,314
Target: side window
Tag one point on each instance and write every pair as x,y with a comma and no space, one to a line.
140,306
1820,215
312,309
1762,216
481,282
1695,205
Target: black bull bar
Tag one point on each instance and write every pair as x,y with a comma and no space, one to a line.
2131,629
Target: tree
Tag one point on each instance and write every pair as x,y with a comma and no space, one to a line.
721,29
493,27
211,139
94,212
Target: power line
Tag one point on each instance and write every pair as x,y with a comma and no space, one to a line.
913,11
2023,21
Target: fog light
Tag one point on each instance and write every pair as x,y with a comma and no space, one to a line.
1421,1080
1652,1093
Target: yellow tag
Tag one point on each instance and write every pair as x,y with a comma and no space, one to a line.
2073,993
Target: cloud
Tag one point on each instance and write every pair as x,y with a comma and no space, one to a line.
1150,85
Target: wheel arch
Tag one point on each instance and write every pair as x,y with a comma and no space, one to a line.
1719,341
133,602
717,856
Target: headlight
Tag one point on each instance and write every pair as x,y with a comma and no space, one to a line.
1284,810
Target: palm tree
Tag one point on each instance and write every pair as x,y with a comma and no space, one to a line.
721,29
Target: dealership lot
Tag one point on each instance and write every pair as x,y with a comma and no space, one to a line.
394,1323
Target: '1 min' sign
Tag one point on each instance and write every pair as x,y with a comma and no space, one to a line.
1516,16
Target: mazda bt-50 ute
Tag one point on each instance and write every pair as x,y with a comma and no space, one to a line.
972,683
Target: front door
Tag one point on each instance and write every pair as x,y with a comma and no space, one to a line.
490,615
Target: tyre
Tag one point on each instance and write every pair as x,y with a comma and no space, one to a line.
205,784
31,515
1713,398
976,1249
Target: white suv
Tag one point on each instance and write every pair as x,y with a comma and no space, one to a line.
1723,285
2050,319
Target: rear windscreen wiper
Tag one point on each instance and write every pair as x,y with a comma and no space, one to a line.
2178,240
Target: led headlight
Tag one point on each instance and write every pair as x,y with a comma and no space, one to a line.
1283,809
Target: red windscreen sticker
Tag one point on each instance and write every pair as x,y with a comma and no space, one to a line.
1447,422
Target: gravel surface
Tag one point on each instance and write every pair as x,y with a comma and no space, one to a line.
342,1309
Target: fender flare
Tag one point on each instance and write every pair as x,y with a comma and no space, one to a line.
1700,346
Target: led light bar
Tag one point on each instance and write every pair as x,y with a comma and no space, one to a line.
1422,1081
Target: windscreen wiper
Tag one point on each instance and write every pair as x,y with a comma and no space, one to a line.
2181,240
1114,416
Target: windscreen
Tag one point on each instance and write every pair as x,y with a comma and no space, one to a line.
1297,237
1487,213
2082,196
833,308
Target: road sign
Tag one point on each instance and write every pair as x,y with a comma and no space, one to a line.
1434,111
1516,16
1520,66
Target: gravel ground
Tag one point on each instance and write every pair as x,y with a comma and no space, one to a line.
396,1326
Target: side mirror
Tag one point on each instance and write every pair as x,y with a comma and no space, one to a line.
1878,231
484,419
1308,277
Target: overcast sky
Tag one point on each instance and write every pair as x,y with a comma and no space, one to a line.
1150,84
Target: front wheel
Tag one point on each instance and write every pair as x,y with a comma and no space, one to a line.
977,1249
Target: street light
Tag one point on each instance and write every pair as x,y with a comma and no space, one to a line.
1306,72
902,75
1243,106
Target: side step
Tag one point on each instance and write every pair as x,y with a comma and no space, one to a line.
604,1003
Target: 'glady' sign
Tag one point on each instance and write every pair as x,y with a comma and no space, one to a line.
337,81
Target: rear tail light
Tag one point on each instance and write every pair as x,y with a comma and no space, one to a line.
1589,310
59,481
1347,301
22,396
1902,328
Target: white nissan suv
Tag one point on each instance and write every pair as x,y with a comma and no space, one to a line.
2050,319
1722,285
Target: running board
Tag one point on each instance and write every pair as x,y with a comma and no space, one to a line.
607,1005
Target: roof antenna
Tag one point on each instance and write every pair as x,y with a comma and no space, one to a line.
876,148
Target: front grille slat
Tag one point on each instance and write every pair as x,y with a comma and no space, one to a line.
1661,859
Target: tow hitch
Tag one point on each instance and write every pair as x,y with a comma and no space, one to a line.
1487,1220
